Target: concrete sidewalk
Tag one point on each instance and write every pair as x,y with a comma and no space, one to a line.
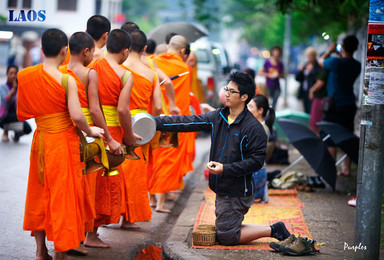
330,220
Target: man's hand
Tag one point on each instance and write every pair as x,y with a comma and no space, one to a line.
96,131
332,47
115,147
174,110
215,168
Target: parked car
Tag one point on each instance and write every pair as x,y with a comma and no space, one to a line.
208,69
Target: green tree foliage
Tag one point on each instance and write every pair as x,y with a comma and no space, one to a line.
143,13
207,15
263,20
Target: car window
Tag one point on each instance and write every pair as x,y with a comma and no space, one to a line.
202,55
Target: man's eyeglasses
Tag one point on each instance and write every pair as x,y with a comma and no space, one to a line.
231,91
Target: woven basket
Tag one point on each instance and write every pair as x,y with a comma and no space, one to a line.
204,237
206,227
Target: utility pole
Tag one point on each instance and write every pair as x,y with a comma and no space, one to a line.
287,46
371,156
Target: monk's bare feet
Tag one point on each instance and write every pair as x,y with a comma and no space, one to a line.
171,196
60,256
126,225
91,240
163,210
46,257
152,200
80,251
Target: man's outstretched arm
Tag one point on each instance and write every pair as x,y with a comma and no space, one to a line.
192,123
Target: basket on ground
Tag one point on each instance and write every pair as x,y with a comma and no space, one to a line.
205,235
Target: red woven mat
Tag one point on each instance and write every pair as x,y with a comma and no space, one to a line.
283,206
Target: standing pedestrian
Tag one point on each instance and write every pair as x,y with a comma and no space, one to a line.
273,70
307,75
342,73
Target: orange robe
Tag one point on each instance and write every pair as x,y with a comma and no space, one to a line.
136,206
170,164
196,87
90,178
57,205
67,58
109,189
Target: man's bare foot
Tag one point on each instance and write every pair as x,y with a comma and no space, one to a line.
60,256
163,210
80,251
126,225
91,240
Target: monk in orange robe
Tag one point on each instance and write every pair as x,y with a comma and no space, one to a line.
170,164
196,87
55,195
146,88
98,27
82,46
114,98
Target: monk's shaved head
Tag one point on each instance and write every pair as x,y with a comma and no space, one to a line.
139,40
80,41
97,25
129,27
52,41
177,43
151,46
118,40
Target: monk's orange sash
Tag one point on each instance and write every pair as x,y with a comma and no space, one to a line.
52,123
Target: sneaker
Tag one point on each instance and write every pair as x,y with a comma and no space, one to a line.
299,247
352,202
277,245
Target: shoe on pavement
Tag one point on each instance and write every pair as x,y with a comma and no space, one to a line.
299,247
277,245
352,202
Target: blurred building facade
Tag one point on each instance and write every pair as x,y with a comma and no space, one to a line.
67,15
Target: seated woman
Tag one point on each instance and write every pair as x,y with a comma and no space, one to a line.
260,108
8,92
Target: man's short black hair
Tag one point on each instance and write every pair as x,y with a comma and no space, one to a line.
151,46
243,83
118,40
97,25
138,39
169,36
80,41
52,41
129,27
12,66
350,43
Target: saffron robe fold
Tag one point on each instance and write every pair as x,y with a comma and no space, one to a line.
57,206
109,189
171,164
135,205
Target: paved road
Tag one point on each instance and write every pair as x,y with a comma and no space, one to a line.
18,244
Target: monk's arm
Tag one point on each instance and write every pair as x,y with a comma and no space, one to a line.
124,112
170,91
97,114
156,100
76,112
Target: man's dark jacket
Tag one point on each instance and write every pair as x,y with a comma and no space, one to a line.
240,147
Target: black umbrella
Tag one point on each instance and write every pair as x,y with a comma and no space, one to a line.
311,147
343,138
190,31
